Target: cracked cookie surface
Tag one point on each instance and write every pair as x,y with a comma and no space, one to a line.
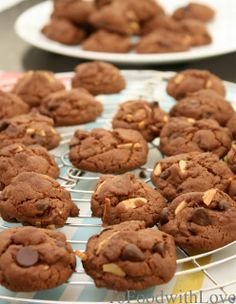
11,105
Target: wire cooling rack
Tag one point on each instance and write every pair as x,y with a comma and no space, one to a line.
208,275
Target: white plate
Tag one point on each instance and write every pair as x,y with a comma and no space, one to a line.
29,24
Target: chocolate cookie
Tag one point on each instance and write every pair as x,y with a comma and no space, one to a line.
204,104
38,200
182,135
11,105
129,257
105,41
106,151
190,172
230,158
189,81
63,31
146,117
72,107
201,221
123,198
33,86
232,125
193,10
29,129
34,259
18,158
98,78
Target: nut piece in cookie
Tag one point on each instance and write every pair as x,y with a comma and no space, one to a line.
196,11
33,86
11,105
18,158
190,172
123,198
106,151
189,81
76,106
33,259
98,78
129,257
146,117
201,221
182,135
38,200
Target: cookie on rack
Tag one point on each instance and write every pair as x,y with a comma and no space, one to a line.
11,105
73,107
98,78
29,129
123,198
201,221
146,117
129,257
190,172
105,151
182,135
33,86
189,81
18,158
38,200
33,259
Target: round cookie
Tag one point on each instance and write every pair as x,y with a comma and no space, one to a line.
231,125
230,158
196,11
201,221
129,257
98,78
204,104
33,259
189,81
123,198
190,172
182,135
38,200
29,129
146,117
11,105
33,86
72,107
105,41
18,158
104,151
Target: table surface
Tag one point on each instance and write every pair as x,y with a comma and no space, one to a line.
17,55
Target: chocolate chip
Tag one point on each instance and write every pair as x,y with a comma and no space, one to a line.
155,103
41,206
132,253
159,248
142,174
27,256
201,217
165,174
3,125
223,206
164,216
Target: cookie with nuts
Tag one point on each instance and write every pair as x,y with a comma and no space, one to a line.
182,135
33,259
189,81
38,200
146,117
190,172
129,257
201,221
123,198
104,151
11,105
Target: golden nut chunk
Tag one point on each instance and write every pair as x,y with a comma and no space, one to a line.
99,187
209,196
40,133
182,166
133,203
157,170
129,117
180,207
114,269
179,78
18,149
191,120
30,131
208,84
125,146
142,125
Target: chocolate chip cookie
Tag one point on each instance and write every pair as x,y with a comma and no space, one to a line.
204,104
129,257
72,107
33,86
146,117
34,259
11,105
98,78
201,221
29,129
190,172
38,200
189,81
106,151
182,135
231,125
17,158
123,198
